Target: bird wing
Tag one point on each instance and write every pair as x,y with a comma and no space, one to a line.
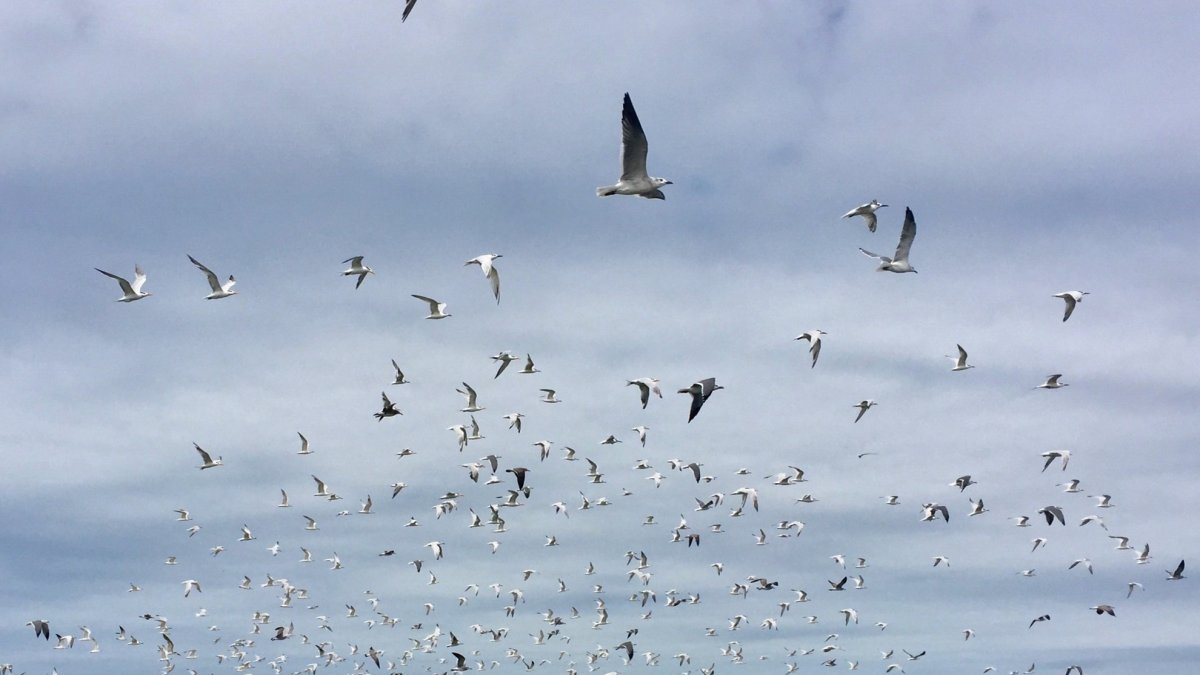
432,303
907,234
355,261
408,8
493,276
633,144
876,256
213,282
962,355
125,286
204,456
387,403
139,278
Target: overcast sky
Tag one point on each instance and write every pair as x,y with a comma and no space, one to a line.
1041,148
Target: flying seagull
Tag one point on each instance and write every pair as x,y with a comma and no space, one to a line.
389,408
1052,383
960,363
437,310
700,392
863,407
208,461
1072,298
399,374
645,385
867,211
357,268
489,271
504,358
219,290
814,338
634,179
1177,574
132,291
1052,455
1052,512
898,263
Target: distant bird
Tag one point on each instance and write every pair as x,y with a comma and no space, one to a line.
207,462
963,482
1052,455
977,508
1171,576
1051,513
514,421
1082,561
357,268
634,179
389,408
437,310
645,385
930,511
41,628
472,398
528,368
132,291
863,406
867,211
399,379
898,263
641,432
304,447
814,339
960,362
550,396
839,585
519,472
1072,298
1044,617
1052,383
485,263
219,290
700,391
1104,609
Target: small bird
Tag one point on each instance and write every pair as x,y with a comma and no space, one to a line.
528,368
514,421
472,398
645,385
219,290
700,391
357,268
867,211
1104,609
1171,576
519,472
437,310
963,482
960,362
1072,298
634,179
131,291
551,396
863,406
898,263
485,263
814,339
208,461
1082,561
1052,383
41,628
1051,513
389,408
190,585
1052,455
399,379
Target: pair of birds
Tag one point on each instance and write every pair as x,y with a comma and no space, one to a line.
899,262
133,291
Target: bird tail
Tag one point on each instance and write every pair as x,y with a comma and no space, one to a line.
606,191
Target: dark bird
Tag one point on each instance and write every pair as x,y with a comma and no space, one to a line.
389,408
700,392
1044,617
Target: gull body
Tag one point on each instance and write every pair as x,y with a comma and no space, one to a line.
1052,383
700,391
437,310
634,179
867,211
1072,298
357,268
207,461
132,291
219,290
814,339
489,271
645,385
863,406
960,362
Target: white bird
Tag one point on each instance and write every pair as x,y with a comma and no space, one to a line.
485,263
528,368
645,385
399,379
208,461
641,432
863,406
219,290
1071,298
304,449
132,291
1052,383
190,585
550,396
814,339
472,397
867,211
1175,575
246,536
898,263
322,489
1052,455
1082,561
634,179
437,310
960,363
357,268
700,391
976,507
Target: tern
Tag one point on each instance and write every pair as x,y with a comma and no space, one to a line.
814,339
1052,382
700,391
1171,576
528,368
634,179
960,362
471,396
867,211
219,290
399,379
485,263
132,291
389,408
1104,609
1072,298
208,461
357,268
437,310
1051,513
1052,455
645,385
550,396
190,585
863,406
898,263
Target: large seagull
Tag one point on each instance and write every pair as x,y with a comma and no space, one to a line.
634,179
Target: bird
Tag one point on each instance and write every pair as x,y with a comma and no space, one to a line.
641,432
1052,455
700,391
634,179
357,268
208,461
814,339
838,585
1052,383
1044,617
528,368
131,291
389,408
977,507
1072,298
190,585
1104,609
863,406
1171,576
963,482
960,362
472,399
550,396
485,263
1052,512
41,628
399,379
1082,561
645,385
898,263
437,310
519,472
867,211
219,290
514,421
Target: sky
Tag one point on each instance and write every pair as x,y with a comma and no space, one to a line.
1041,149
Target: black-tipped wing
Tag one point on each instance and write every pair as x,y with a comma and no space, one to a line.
907,234
633,145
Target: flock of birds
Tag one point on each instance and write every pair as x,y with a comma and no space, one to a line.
572,639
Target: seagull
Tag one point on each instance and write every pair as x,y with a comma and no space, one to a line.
1052,512
1082,561
246,536
963,482
437,310
960,363
356,267
219,290
514,421
489,271
399,374
132,291
389,408
1171,576
209,462
1052,383
504,358
867,211
863,406
645,385
814,338
528,368
976,507
550,396
1132,585
1052,455
1072,298
641,432
700,392
634,179
1104,609
899,263
41,628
